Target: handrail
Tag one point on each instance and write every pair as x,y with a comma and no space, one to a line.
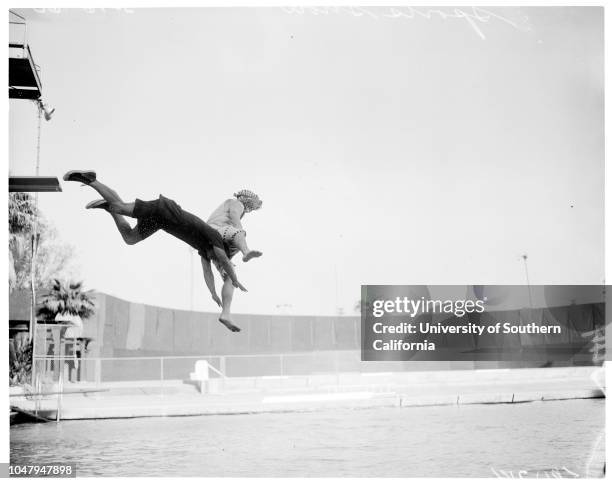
97,361
161,360
247,355
17,15
24,23
222,375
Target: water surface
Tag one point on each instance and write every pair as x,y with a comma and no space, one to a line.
454,441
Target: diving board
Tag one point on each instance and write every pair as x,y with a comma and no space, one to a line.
34,184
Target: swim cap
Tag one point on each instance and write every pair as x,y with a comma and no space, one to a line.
249,199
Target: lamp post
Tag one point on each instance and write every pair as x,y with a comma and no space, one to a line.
524,256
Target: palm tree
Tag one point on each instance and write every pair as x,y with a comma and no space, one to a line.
67,301
22,214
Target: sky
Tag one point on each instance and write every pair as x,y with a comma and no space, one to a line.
388,146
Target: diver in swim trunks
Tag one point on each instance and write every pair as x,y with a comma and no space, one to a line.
227,220
161,214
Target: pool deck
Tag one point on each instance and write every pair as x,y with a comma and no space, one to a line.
317,392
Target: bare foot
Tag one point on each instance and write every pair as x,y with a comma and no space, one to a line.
251,255
229,325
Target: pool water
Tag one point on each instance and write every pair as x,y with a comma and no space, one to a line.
545,439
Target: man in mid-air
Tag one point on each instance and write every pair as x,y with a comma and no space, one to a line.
165,214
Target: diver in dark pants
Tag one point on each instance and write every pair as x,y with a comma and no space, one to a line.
161,214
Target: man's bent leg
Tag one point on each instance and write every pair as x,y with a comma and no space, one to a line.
116,205
241,243
130,235
227,293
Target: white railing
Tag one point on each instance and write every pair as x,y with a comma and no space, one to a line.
163,368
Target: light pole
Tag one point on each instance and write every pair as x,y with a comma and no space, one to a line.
524,257
190,278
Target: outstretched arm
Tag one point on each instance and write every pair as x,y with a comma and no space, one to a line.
229,268
209,278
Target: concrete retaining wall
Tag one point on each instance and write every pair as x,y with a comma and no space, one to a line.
310,344
122,328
